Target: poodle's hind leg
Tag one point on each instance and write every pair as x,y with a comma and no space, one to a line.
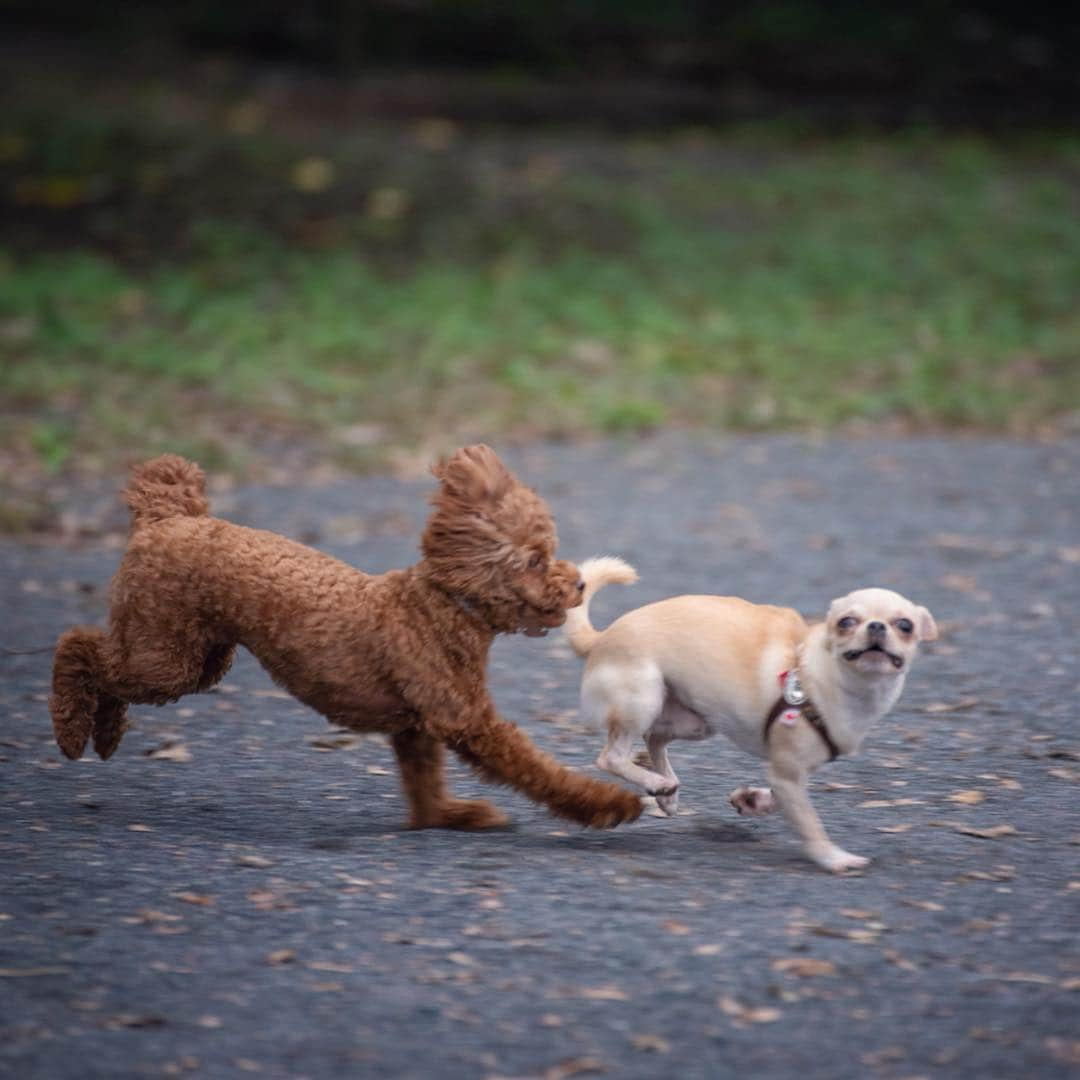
110,719
420,758
77,676
110,723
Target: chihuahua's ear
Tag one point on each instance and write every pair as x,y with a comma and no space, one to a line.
925,625
836,609
474,474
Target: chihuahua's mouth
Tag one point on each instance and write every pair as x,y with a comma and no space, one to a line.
854,654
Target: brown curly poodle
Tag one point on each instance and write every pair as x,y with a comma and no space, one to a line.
402,653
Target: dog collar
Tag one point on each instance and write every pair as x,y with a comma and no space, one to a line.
472,610
794,703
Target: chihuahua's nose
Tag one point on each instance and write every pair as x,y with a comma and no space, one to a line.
581,585
875,629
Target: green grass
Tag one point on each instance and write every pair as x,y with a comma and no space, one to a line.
747,280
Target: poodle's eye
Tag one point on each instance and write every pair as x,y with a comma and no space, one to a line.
537,561
905,626
846,623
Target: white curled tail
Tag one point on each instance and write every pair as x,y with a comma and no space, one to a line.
596,573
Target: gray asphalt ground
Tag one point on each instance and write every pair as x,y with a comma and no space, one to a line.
235,894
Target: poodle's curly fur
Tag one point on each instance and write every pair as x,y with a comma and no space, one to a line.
402,653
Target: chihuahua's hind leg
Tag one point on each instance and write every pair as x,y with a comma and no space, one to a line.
617,759
658,754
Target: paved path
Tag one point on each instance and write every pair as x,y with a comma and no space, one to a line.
234,893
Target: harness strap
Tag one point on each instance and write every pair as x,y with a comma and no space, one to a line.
810,715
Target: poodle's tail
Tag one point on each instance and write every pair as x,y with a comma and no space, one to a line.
596,573
166,486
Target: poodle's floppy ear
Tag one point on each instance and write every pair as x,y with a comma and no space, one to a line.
474,474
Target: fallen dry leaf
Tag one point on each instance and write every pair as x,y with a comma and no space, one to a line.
604,993
326,743
199,899
804,966
150,915
967,798
760,1014
1064,774
280,956
655,1044
899,960
714,950
677,928
860,935
170,751
1067,1051
134,1020
951,706
31,972
574,1067
926,905
991,833
330,965
258,861
960,582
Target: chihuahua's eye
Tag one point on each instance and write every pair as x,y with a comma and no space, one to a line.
847,622
905,626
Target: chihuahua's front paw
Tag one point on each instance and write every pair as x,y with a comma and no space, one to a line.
755,801
837,860
668,803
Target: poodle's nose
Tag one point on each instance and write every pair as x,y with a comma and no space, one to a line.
580,585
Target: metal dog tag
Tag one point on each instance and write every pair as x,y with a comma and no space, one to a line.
793,691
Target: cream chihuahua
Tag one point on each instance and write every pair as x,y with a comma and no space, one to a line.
695,666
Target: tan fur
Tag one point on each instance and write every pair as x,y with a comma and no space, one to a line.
602,570
695,666
402,653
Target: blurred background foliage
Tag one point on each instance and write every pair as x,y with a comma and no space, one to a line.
353,233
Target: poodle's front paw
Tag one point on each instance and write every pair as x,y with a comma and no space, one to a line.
753,801
621,806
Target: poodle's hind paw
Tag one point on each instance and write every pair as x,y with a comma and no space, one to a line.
462,814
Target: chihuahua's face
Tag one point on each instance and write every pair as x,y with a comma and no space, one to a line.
877,631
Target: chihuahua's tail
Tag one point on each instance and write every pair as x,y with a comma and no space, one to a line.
596,573
164,487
